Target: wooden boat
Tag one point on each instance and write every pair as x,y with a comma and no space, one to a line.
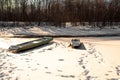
29,45
75,43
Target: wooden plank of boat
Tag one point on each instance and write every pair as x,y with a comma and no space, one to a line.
29,45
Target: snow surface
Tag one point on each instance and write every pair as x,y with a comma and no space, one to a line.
57,61
51,30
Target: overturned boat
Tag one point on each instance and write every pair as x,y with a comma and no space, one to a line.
30,44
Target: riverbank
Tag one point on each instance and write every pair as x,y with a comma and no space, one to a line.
38,31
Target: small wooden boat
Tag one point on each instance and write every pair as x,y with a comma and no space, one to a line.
75,43
29,45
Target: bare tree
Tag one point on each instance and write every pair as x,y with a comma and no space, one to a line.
23,5
61,11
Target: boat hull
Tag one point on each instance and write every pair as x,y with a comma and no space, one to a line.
30,44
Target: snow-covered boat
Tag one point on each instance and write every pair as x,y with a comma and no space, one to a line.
75,43
30,44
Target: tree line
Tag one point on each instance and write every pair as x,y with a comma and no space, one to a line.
60,11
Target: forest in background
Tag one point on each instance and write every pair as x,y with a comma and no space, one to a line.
60,11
